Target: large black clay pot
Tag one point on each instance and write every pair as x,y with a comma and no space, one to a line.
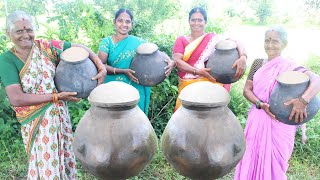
221,61
203,139
149,65
291,85
74,72
114,139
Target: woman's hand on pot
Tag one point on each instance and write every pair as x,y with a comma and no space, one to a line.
240,64
130,74
68,96
205,72
171,65
101,76
299,110
266,108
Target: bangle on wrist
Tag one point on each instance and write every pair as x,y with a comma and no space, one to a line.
258,103
303,101
55,98
195,71
114,71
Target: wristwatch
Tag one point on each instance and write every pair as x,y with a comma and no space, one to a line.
258,104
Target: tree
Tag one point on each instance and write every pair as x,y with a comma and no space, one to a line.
313,4
262,8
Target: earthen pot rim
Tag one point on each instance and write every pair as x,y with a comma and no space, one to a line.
74,55
147,48
292,78
204,94
114,94
226,45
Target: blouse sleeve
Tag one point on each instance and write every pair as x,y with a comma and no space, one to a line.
9,73
257,63
104,45
178,46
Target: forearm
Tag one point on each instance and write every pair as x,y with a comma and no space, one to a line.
314,86
248,92
240,48
185,67
25,99
182,65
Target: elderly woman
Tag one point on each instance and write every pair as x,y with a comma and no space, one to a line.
117,52
27,71
191,52
269,143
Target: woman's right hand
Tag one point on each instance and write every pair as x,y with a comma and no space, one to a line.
205,72
68,96
130,74
265,107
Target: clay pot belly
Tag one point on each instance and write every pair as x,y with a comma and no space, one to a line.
149,65
114,139
74,72
291,85
221,60
203,140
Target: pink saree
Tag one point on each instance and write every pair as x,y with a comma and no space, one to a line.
269,143
196,54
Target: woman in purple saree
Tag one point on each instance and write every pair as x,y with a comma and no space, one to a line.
269,143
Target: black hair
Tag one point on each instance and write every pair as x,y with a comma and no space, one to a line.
201,10
121,11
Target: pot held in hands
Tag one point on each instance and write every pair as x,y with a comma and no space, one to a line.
149,64
221,60
291,85
74,72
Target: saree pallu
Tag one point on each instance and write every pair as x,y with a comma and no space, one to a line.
46,128
120,55
196,54
269,143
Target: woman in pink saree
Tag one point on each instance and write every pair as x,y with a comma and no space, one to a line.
191,52
269,143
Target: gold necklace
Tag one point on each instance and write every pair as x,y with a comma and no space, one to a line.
15,52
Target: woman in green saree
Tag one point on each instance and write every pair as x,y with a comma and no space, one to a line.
27,72
117,52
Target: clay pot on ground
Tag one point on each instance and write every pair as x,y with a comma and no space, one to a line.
149,64
74,72
203,139
221,61
291,85
114,139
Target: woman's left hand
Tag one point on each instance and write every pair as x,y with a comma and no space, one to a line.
171,64
102,72
241,66
299,110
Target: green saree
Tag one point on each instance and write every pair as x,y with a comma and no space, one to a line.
120,55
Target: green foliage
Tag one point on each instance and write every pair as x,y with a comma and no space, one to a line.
263,9
239,105
80,18
3,43
163,95
314,64
12,150
77,110
33,7
313,4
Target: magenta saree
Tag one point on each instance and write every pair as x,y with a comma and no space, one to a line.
269,143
